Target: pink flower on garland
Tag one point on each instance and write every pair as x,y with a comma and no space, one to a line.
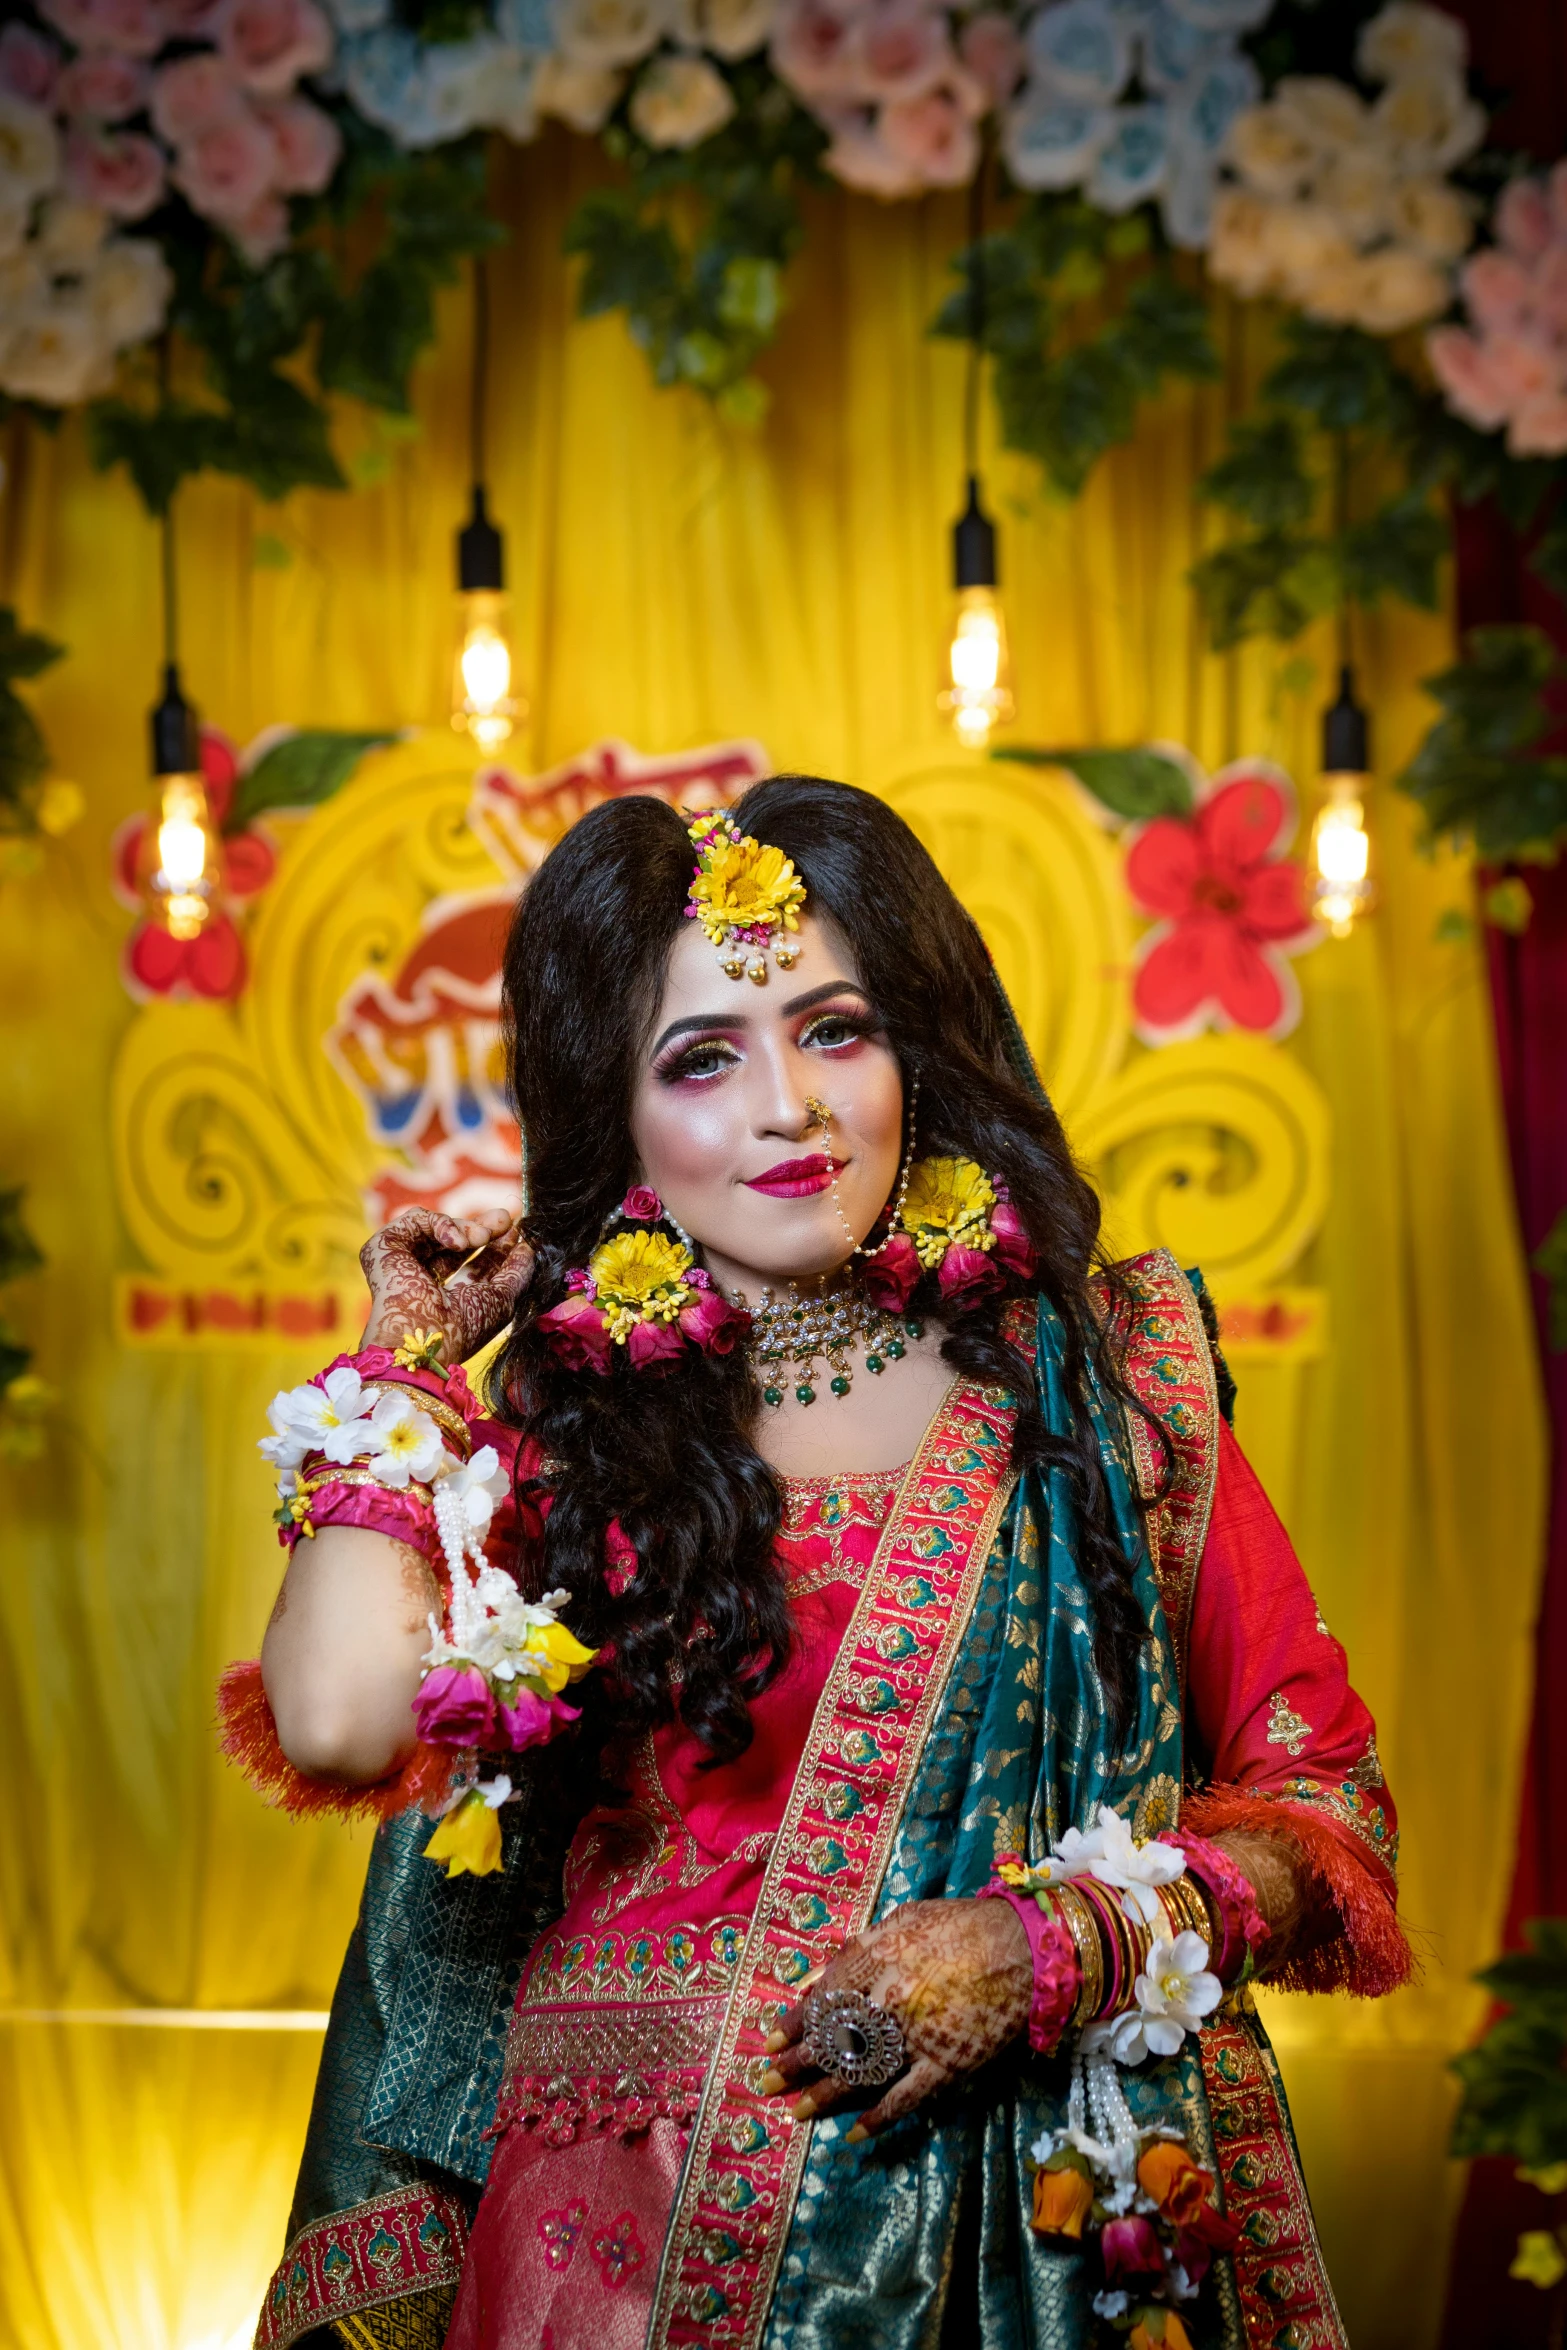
1229,906
213,963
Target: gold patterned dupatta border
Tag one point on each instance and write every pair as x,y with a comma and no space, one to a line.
742,2174
1168,1364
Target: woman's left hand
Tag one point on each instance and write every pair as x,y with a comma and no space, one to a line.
957,1975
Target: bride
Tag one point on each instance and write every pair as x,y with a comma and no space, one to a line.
846,1936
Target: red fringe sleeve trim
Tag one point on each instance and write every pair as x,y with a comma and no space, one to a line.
247,1734
1362,1947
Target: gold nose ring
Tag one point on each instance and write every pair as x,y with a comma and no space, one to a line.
820,1114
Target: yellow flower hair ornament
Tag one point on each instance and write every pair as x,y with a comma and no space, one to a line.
957,1222
745,895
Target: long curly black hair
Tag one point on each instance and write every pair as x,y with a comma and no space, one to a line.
669,1454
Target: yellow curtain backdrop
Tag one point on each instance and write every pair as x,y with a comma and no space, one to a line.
675,584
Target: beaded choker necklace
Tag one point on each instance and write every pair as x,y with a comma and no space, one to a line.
790,1335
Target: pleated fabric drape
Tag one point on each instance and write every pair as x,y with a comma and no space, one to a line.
675,584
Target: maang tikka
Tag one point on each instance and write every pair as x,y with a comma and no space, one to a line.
745,895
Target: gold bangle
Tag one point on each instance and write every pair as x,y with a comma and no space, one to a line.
1078,1919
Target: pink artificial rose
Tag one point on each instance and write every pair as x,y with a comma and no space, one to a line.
28,64
712,1323
121,174
889,1279
105,86
620,1560
1539,428
655,1342
1523,218
641,1205
1522,368
900,50
990,48
1497,289
136,28
967,1274
1550,291
813,51
263,231
935,137
1463,369
191,95
1131,2249
575,1332
226,170
1014,1249
270,43
454,1707
861,158
533,1721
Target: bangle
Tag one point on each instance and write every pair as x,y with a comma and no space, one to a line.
1238,1928
1078,1919
1053,1951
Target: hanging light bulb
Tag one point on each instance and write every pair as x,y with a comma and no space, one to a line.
977,689
179,859
483,703
1342,888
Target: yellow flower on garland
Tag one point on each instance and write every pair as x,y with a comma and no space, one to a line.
740,885
468,1840
948,1204
640,1277
557,1657
1539,2259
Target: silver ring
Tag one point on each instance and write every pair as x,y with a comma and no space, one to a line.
850,2037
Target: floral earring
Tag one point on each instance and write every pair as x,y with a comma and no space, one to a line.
948,1217
641,1290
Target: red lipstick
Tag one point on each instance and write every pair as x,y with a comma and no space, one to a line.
797,1178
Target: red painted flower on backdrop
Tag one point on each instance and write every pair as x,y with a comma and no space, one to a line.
213,963
1229,907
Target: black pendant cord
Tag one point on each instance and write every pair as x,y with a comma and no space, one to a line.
478,419
976,334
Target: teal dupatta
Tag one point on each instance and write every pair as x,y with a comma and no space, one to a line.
923,2234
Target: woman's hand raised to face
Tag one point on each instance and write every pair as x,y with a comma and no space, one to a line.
957,1975
411,1266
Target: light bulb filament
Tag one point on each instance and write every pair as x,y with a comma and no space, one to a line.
1342,888
977,695
483,704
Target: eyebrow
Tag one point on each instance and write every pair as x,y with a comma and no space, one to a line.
697,1021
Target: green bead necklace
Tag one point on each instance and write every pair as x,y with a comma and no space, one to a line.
791,1335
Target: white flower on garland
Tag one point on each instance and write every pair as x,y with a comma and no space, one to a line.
585,96
1173,1996
679,101
1341,208
330,1419
729,28
610,32
1110,1852
407,1444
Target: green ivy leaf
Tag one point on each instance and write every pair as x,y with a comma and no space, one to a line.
1262,474
1479,775
1340,377
301,771
1395,552
1133,784
1273,585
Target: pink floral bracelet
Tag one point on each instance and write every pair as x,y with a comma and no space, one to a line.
1057,1976
1233,1901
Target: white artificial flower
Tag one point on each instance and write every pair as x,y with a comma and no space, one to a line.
1428,122
471,1489
509,101
495,1791
610,32
1186,200
1111,2304
56,355
407,1443
585,96
1080,51
1274,153
1328,113
24,285
1404,38
679,101
1239,255
69,234
1356,184
329,1419
1395,289
1431,218
16,210
1176,1991
29,149
730,28
128,290
1119,2036
1209,100
1307,247
1049,145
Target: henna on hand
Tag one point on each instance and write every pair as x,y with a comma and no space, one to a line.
959,1977
411,1266
1271,1865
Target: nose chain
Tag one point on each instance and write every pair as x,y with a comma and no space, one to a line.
791,1335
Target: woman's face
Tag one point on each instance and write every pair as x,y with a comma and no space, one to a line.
719,1116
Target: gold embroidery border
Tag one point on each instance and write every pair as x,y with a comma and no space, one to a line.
1160,1284
824,1723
